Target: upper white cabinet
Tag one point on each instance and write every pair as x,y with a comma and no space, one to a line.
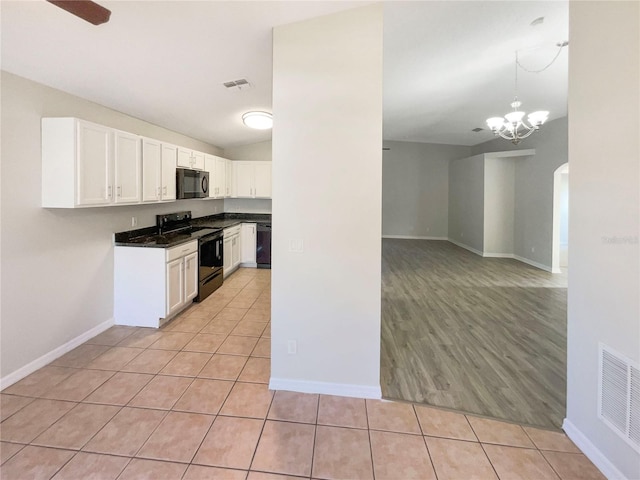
151,170
252,179
216,167
84,164
228,184
169,157
127,167
158,171
188,158
73,149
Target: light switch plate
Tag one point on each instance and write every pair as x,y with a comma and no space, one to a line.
296,245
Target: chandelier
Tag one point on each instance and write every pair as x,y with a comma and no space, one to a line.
513,126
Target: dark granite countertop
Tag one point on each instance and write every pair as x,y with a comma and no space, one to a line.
151,237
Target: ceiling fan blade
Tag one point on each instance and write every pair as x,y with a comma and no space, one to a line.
85,9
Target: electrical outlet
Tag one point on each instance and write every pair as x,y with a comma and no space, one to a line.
296,245
134,221
462,235
292,347
533,249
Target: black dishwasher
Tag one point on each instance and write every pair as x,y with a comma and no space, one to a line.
263,246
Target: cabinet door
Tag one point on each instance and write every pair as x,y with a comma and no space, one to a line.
191,276
184,158
235,249
175,285
227,253
243,179
228,178
210,166
94,165
221,177
198,161
127,167
248,243
151,170
262,183
169,158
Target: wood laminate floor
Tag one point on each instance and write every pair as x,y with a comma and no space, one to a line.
480,335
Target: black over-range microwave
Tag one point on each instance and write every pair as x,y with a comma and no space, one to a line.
191,183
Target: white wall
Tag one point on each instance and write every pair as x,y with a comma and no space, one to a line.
533,194
466,201
499,178
254,151
604,210
57,265
415,188
327,163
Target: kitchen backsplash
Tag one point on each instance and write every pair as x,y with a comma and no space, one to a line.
247,205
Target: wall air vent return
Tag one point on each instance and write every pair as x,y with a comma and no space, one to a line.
240,84
619,395
477,129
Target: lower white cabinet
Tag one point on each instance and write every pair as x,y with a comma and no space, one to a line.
231,249
151,285
248,245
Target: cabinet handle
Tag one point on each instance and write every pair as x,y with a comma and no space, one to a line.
109,189
159,192
119,190
164,190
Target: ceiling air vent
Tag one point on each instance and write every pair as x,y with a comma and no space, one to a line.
477,129
619,395
240,84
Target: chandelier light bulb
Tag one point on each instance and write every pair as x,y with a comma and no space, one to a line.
258,120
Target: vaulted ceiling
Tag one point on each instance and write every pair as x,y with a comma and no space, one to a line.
447,65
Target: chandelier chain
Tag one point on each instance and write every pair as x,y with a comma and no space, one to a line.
561,46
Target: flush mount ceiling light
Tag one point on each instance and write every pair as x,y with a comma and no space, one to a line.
258,120
512,126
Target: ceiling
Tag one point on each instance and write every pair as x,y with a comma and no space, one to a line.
447,65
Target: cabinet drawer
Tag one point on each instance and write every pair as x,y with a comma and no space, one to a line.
228,232
182,250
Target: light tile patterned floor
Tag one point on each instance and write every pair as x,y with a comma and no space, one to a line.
190,402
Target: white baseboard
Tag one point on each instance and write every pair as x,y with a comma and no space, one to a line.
592,452
249,265
541,266
338,389
465,246
498,255
411,237
47,358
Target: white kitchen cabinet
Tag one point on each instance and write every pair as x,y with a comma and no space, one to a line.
158,171
169,158
221,177
227,255
188,158
243,173
175,286
248,245
231,249
216,167
151,170
86,165
93,160
235,249
252,179
151,285
228,164
127,167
